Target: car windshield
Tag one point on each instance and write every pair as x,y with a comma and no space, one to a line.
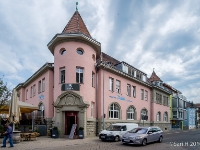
139,130
114,128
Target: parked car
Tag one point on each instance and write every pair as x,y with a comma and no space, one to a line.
115,131
143,135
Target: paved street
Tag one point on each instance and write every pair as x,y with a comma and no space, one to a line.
178,140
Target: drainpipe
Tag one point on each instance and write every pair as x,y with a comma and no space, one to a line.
97,128
103,97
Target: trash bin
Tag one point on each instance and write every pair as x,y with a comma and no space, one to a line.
54,133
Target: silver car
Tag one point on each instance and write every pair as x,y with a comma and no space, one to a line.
143,135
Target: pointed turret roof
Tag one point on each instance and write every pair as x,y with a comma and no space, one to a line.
76,25
154,77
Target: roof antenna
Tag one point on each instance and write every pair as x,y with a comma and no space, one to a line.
76,6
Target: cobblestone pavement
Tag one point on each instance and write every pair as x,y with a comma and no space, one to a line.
46,143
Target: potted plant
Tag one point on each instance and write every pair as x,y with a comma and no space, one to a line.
1,131
81,132
16,128
55,132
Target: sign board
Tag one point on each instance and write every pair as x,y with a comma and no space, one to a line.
66,87
41,97
72,131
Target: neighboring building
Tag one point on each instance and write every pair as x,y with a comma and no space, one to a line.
160,102
190,122
197,105
91,89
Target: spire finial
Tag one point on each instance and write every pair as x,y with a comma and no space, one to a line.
153,69
76,6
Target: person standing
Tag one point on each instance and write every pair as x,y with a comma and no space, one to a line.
8,135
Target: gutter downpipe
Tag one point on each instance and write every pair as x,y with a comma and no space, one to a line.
97,121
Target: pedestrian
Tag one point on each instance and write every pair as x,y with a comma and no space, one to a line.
8,135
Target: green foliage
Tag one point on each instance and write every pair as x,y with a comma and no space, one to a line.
81,128
5,94
1,129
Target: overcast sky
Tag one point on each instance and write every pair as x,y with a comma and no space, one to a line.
164,35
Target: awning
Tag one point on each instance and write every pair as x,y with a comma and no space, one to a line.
24,108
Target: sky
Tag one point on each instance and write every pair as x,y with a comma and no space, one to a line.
164,35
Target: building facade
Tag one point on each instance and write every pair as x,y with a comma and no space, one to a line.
87,87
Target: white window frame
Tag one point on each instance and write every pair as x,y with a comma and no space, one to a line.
79,71
118,86
165,117
43,84
34,90
142,94
134,91
128,90
131,112
158,116
143,112
92,109
40,86
26,94
62,76
93,75
112,111
146,95
111,84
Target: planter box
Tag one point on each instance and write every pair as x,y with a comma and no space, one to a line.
54,134
80,134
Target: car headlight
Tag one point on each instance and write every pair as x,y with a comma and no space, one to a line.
110,133
138,137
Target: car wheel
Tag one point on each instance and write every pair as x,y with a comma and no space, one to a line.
116,139
160,139
144,142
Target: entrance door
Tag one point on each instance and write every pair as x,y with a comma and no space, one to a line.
70,119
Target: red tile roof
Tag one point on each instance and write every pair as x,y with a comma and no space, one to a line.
106,57
76,25
154,77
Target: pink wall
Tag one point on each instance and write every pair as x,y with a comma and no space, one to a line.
70,60
48,93
162,109
129,100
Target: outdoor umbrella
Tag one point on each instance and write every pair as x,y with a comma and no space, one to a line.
14,109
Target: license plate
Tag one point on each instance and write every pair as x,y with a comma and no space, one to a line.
103,137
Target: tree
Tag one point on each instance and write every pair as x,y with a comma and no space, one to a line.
5,95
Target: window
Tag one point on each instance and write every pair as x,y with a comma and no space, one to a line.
142,94
31,92
111,84
143,113
158,117
114,111
165,100
43,85
63,51
165,117
118,86
39,87
131,113
41,111
174,114
93,79
62,75
79,75
79,51
34,90
134,91
146,95
26,94
158,98
128,89
92,109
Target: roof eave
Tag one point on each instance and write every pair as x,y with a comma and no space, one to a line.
58,38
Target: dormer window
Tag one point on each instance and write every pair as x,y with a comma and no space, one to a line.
79,51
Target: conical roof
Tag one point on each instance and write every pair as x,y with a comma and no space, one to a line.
154,77
76,25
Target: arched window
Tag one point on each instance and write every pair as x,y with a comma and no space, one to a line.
158,116
165,117
143,113
114,111
41,111
131,113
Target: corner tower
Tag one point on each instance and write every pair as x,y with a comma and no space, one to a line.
75,53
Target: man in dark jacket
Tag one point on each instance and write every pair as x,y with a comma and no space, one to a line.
8,135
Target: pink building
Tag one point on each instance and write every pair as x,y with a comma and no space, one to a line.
85,86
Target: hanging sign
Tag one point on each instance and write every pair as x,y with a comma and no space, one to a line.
66,87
